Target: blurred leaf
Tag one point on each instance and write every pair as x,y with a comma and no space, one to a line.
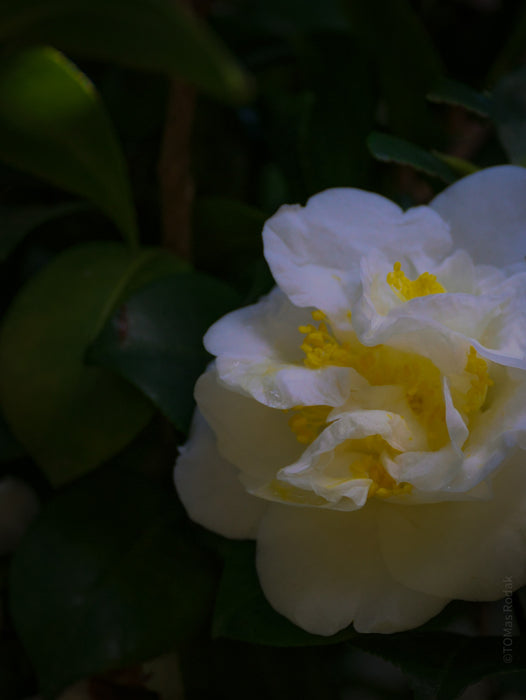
338,117
391,149
317,135
509,114
159,35
17,222
513,51
281,18
243,613
68,416
16,674
154,339
53,125
106,578
227,237
9,447
442,664
408,65
452,92
458,165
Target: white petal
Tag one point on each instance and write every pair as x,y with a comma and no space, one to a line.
255,438
324,570
486,212
209,486
259,353
457,429
266,329
314,252
461,549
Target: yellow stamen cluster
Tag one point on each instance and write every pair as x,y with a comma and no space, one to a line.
383,365
369,466
308,422
407,289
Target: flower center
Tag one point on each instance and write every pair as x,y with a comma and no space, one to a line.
382,365
407,289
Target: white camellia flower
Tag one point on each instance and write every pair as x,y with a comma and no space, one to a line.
365,422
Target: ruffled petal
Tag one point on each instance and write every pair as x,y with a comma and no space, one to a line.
461,549
314,251
253,437
324,570
486,213
209,486
259,353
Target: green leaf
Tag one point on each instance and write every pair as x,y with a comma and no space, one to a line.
460,166
391,149
17,222
157,35
509,114
512,53
107,577
71,417
442,664
154,339
243,613
407,64
53,125
452,92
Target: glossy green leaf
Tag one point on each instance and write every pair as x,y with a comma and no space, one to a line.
158,35
243,613
68,416
452,92
407,64
17,222
391,149
53,125
154,339
107,577
442,664
509,114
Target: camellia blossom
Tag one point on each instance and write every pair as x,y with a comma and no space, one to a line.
365,422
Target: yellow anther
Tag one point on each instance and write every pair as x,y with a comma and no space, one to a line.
369,466
308,422
382,365
318,315
407,289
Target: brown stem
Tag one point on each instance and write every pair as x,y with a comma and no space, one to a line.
176,183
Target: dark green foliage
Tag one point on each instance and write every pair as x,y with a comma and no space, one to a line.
53,125
89,413
394,150
156,35
119,580
154,340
